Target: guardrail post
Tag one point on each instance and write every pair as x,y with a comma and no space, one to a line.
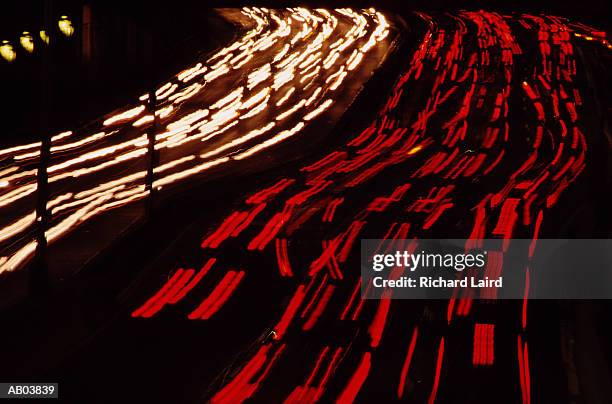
39,272
151,133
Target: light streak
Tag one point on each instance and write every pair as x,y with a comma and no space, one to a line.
276,59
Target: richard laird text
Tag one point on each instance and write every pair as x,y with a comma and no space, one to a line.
439,282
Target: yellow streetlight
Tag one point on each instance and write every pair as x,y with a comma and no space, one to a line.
65,25
7,51
27,42
44,36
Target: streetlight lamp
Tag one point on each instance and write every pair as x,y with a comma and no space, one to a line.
65,26
7,51
27,42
